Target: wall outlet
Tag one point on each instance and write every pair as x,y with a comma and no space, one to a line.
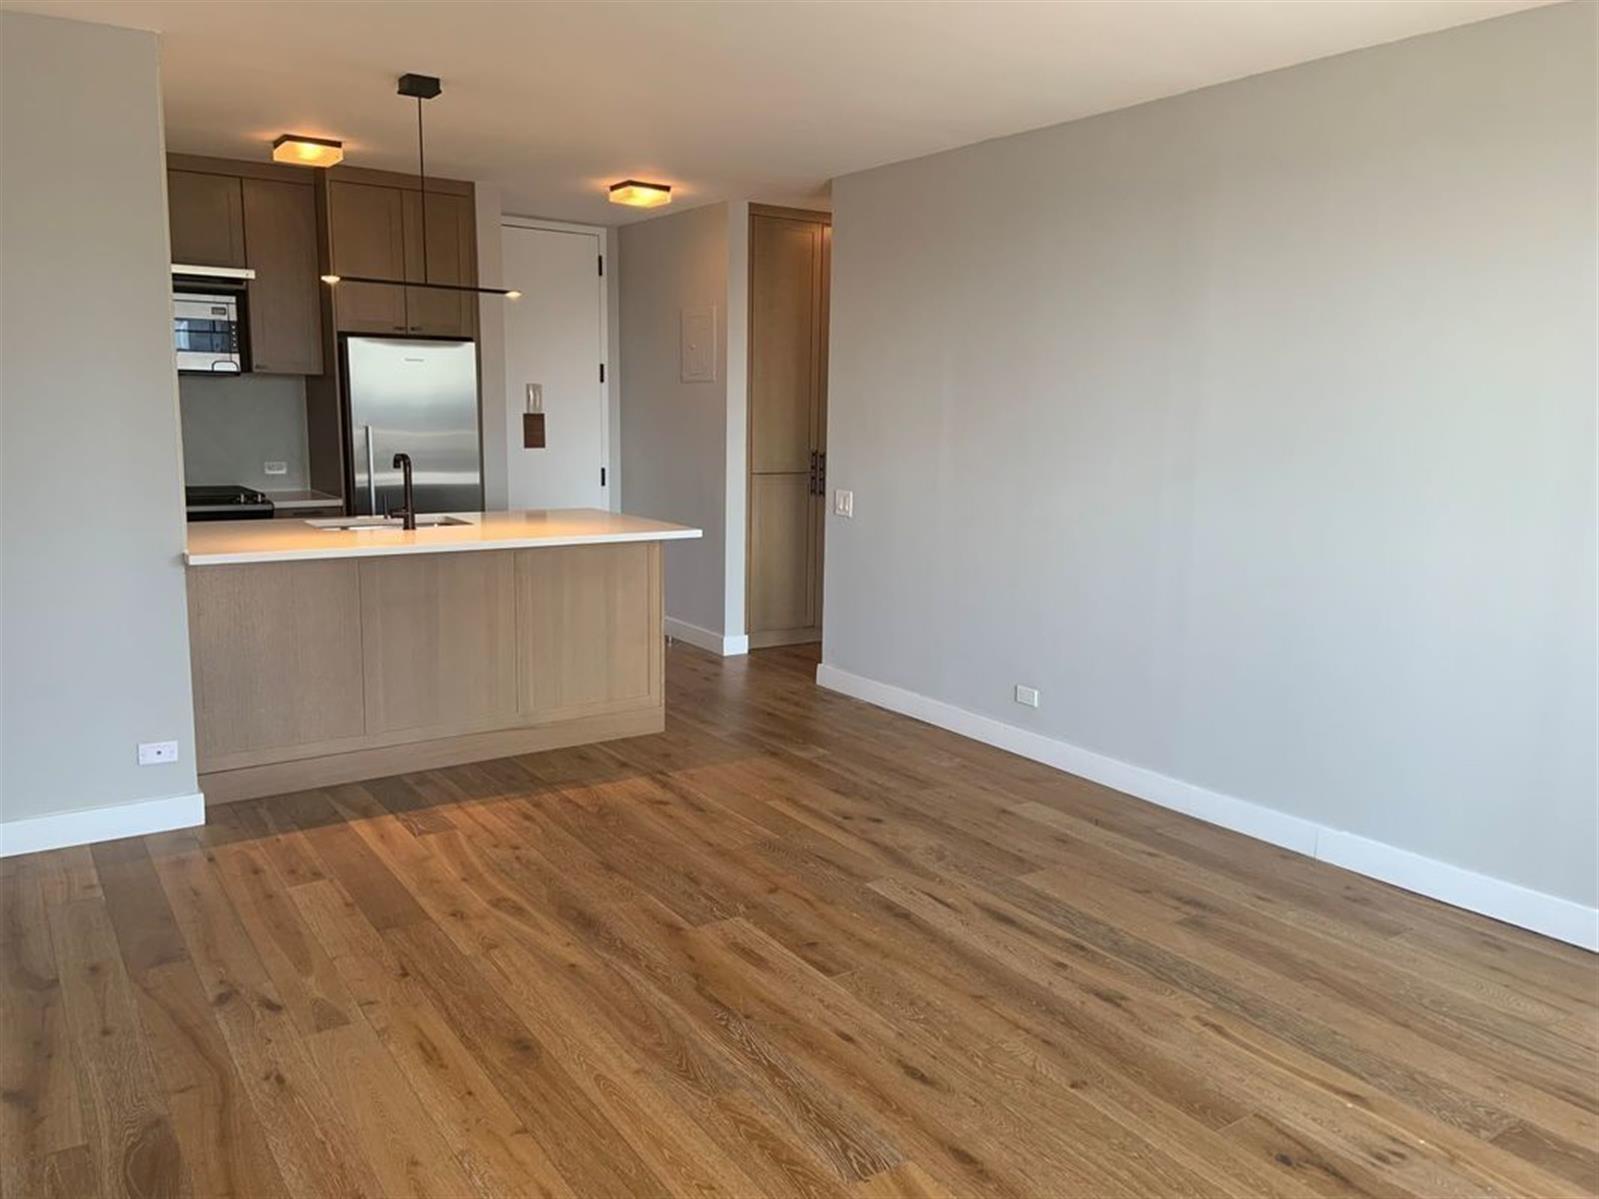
157,753
1027,696
844,503
275,468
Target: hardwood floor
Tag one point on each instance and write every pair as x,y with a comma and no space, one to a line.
793,946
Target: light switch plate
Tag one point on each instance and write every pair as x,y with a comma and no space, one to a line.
535,397
844,503
275,468
157,753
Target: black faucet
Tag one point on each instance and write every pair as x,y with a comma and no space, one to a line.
407,513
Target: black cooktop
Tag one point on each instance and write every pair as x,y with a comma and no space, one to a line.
226,503
222,495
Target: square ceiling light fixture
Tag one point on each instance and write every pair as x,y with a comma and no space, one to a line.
641,195
301,151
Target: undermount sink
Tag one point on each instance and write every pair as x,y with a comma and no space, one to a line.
353,524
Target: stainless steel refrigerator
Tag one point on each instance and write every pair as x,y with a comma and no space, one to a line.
417,397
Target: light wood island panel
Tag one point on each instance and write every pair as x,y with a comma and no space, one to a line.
310,673
439,639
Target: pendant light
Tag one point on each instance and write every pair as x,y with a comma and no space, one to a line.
420,88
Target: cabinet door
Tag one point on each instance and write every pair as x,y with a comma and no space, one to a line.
285,296
785,285
591,629
787,434
367,228
439,639
272,659
782,585
451,241
206,215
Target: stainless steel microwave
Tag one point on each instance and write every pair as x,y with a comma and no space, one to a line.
210,333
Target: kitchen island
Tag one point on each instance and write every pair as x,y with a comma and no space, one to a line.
326,655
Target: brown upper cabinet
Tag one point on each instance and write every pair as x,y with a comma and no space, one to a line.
285,304
242,214
366,224
451,258
206,214
376,230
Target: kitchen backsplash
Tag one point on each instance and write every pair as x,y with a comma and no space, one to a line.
232,427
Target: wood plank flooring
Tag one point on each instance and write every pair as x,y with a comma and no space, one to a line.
794,946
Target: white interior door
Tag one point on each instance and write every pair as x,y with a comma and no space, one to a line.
554,337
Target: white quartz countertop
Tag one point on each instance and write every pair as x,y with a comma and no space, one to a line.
215,543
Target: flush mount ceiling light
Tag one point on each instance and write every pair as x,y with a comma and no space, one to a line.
301,151
641,195
420,88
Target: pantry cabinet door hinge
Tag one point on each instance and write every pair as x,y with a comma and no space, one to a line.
601,260
602,372
602,476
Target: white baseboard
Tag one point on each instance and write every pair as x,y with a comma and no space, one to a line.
1550,915
728,647
85,827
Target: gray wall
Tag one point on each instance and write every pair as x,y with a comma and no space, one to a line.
491,349
233,427
1255,427
674,434
93,627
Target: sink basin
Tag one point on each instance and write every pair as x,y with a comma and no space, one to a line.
352,524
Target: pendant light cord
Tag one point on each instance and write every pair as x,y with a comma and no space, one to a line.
422,185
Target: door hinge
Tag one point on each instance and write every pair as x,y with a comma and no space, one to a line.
602,372
601,260
602,476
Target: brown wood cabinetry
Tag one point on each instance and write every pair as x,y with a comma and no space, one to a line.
377,230
272,659
285,301
438,635
245,214
588,615
366,226
451,258
206,215
789,253
312,673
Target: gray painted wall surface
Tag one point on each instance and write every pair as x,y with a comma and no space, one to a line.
233,427
1256,428
93,625
674,434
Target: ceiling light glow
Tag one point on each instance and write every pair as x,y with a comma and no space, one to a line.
301,151
641,195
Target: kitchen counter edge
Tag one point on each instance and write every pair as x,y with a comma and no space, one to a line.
394,542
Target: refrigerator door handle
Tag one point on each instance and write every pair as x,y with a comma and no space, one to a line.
371,475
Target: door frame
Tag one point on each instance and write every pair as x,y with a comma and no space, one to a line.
777,637
610,422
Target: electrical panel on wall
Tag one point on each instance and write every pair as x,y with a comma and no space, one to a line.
699,345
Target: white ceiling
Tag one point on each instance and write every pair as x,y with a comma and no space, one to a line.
769,101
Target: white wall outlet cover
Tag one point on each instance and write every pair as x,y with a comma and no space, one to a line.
275,468
535,397
844,503
1027,695
157,753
